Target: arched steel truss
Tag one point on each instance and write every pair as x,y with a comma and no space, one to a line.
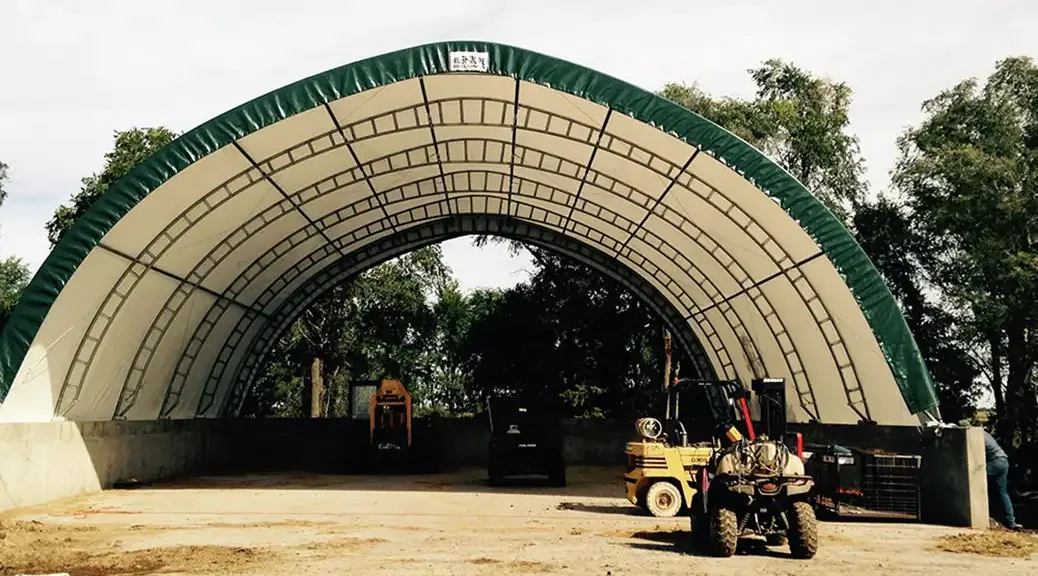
383,202
447,187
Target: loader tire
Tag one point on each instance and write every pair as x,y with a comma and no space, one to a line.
803,531
495,476
663,499
724,532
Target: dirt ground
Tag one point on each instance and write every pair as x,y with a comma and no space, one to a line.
445,524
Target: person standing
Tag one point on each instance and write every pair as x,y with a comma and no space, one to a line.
998,475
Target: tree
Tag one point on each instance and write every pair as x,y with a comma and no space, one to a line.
799,120
14,273
884,230
14,277
969,175
130,149
380,324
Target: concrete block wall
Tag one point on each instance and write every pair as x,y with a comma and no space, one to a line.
42,462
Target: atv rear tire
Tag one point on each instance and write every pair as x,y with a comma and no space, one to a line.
724,532
803,531
663,500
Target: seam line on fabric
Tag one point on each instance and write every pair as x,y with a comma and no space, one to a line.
587,169
756,284
173,276
281,191
658,201
436,145
363,172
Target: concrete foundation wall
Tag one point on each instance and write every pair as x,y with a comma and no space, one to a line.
41,462
49,461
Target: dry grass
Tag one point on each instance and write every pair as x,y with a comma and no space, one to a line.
999,543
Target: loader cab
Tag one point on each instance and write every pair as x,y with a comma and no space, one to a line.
389,414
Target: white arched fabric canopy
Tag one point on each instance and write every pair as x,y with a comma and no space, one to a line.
162,300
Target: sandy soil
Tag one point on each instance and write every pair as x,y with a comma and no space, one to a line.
446,524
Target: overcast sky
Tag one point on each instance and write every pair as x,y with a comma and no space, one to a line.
74,71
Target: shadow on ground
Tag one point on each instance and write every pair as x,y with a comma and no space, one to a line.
681,542
582,482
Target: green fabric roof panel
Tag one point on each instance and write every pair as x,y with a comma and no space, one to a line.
679,204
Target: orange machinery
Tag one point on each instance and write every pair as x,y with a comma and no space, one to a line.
389,416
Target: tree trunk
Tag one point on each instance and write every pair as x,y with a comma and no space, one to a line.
316,389
666,359
666,369
997,389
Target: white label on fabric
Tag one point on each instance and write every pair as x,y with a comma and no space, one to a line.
469,61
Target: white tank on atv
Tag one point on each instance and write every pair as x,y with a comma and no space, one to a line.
762,457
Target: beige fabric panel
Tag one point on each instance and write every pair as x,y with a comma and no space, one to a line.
167,354
199,239
300,279
378,101
693,254
692,295
767,214
670,152
538,99
469,85
135,230
575,154
306,172
36,386
230,374
870,367
271,266
819,365
274,140
264,238
108,371
776,362
328,197
711,219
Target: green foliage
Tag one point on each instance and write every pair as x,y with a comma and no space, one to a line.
131,148
800,121
14,277
381,324
969,177
884,230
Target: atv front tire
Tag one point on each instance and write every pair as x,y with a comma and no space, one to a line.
803,531
663,500
724,532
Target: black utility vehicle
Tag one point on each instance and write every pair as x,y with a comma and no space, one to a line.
525,440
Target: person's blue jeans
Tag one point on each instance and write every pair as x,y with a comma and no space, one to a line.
998,473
